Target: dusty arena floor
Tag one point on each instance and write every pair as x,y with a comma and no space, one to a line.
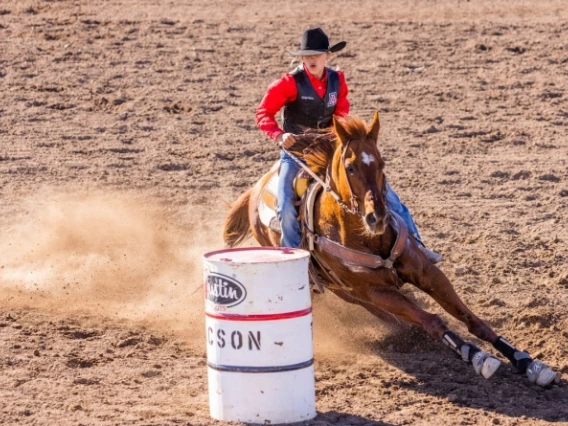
125,127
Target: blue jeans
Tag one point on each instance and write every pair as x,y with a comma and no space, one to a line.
394,204
287,211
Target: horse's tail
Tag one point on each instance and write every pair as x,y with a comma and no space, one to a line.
237,226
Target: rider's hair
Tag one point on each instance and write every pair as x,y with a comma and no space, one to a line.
330,56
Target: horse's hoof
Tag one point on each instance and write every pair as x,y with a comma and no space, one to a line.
539,373
485,364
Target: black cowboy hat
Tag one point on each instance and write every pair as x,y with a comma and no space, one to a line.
314,42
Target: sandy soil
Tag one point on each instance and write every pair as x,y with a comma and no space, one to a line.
124,126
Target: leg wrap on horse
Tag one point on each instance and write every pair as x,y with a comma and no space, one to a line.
520,360
483,363
539,373
536,371
452,341
468,352
464,350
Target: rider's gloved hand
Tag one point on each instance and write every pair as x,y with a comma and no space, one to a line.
287,140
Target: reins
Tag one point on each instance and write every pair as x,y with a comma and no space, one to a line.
352,197
354,209
338,250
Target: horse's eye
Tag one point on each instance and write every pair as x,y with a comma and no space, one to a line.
350,169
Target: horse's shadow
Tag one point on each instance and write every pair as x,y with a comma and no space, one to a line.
441,374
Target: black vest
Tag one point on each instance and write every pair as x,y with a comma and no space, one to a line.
309,110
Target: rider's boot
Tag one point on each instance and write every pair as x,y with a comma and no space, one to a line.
431,255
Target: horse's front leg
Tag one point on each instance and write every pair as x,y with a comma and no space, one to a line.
435,283
537,372
394,302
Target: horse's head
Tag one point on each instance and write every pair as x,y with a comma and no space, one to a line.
358,171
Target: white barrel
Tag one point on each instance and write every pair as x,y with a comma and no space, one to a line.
258,311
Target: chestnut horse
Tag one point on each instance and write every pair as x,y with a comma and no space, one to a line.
363,253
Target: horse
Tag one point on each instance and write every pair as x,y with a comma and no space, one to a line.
362,252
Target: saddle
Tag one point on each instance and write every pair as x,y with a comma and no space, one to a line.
269,200
321,275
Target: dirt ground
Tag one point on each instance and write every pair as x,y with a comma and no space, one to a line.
126,125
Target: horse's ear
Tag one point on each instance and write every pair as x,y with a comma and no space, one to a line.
375,126
339,130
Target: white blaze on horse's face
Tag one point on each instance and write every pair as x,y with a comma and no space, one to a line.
366,185
367,158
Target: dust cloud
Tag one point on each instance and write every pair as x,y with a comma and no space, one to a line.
125,257
108,254
343,328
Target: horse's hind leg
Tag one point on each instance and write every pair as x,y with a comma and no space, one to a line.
437,285
397,304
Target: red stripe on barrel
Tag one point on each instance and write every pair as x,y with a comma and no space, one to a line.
263,317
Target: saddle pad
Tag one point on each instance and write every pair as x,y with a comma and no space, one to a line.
268,201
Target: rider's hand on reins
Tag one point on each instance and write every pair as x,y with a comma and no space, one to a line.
287,140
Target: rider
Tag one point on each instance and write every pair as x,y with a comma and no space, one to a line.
309,97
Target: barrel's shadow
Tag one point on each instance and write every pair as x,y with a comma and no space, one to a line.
335,418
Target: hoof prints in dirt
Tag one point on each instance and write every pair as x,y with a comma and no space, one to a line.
474,124
75,361
80,334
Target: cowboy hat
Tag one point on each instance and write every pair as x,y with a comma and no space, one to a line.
314,42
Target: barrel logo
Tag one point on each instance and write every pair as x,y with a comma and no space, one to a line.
224,290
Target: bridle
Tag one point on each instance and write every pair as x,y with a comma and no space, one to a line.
354,209
339,251
352,197
354,201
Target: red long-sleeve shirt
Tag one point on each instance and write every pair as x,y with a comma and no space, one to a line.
284,90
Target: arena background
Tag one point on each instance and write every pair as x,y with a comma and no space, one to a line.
126,127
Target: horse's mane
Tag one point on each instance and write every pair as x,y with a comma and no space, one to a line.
316,148
354,127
